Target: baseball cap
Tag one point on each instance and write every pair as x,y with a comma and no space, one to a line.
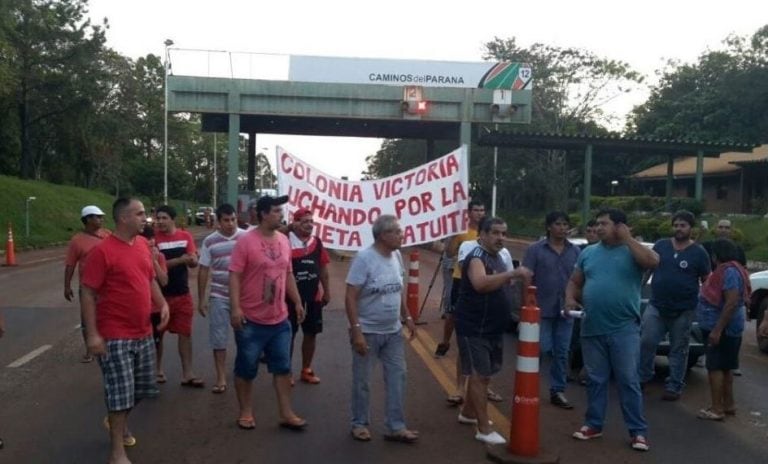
265,203
300,213
91,210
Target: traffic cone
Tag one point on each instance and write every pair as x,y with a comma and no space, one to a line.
10,252
523,446
412,295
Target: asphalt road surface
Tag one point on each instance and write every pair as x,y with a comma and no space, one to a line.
51,405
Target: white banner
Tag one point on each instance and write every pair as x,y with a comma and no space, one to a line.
430,200
489,75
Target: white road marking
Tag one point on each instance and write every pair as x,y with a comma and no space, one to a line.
30,356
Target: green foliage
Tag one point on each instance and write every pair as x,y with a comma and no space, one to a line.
721,97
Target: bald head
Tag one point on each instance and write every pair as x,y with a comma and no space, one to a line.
724,228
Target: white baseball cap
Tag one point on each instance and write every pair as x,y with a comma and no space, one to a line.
91,210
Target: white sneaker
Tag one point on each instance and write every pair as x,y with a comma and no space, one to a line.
492,438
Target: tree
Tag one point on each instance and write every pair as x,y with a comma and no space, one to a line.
53,46
722,97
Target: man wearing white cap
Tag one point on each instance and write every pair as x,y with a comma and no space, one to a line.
80,245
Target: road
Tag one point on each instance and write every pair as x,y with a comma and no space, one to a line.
51,405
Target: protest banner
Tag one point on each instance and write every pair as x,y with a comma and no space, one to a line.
429,200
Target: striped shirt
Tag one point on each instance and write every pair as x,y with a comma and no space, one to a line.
215,253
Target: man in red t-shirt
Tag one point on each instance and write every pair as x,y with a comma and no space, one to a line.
81,243
260,278
180,252
309,260
118,290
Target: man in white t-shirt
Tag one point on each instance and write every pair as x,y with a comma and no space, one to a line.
215,253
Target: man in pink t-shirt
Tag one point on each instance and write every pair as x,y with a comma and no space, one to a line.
260,278
118,289
80,245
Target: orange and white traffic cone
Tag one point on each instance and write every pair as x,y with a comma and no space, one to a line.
412,295
523,443
10,251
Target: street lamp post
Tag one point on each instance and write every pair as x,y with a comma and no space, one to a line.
168,43
26,214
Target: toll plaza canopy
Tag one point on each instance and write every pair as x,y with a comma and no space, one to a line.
616,145
353,97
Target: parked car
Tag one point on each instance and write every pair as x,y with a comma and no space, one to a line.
200,214
759,303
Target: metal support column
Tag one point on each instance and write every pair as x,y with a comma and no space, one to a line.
670,180
699,174
465,138
251,162
586,206
233,158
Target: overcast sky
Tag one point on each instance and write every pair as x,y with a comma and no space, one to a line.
643,33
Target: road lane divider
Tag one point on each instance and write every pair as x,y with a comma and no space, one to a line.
30,356
444,371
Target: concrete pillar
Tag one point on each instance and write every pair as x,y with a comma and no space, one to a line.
670,180
233,158
699,174
586,206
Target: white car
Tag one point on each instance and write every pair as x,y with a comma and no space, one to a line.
759,303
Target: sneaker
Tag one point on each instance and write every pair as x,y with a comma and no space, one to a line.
492,438
441,350
559,400
587,433
308,376
639,443
670,396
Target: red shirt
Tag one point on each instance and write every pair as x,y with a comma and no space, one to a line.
264,264
121,275
79,247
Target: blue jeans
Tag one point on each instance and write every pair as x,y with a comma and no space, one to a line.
655,325
619,353
272,340
387,348
556,339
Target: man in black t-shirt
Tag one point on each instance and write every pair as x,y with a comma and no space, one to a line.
482,315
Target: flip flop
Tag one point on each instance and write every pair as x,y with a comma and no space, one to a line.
403,436
128,440
193,383
219,389
709,414
160,378
246,423
297,424
361,434
455,400
495,397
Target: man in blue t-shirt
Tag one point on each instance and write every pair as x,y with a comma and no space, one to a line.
606,284
683,265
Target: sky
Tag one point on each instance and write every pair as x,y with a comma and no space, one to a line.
644,34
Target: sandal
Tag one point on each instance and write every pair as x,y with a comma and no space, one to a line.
160,377
128,439
455,400
219,389
495,397
194,382
296,424
403,436
709,414
360,434
246,423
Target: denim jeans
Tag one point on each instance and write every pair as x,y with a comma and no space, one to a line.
619,353
555,339
655,325
387,348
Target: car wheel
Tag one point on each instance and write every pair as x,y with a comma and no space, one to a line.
762,342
